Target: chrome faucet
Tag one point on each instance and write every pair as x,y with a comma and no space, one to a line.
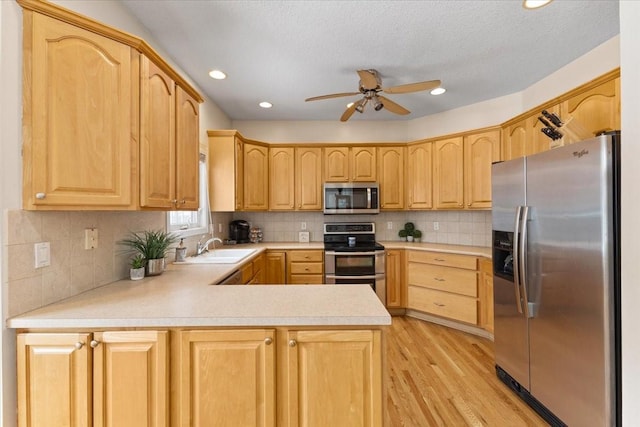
204,247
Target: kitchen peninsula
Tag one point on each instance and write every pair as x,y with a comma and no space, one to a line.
173,350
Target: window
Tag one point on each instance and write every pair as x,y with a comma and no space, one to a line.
189,223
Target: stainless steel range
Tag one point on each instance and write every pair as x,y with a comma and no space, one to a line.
353,257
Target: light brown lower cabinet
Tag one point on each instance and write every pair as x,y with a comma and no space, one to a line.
219,377
115,378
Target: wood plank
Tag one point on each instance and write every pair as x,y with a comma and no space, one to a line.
438,376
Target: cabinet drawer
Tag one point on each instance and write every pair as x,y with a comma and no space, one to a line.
455,280
305,256
444,304
438,258
306,279
306,268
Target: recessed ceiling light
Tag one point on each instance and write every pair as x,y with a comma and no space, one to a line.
438,91
349,105
265,104
217,74
535,4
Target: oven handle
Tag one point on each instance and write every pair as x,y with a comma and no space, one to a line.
338,253
375,276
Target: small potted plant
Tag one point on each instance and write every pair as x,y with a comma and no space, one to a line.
136,270
153,246
410,229
417,235
402,234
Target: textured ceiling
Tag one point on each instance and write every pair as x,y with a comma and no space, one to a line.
286,51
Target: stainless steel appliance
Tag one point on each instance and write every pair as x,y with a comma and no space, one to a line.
239,231
557,281
351,198
353,257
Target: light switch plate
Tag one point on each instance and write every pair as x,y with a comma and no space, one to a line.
42,254
90,238
303,236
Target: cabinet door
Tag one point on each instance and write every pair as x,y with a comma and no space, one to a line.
334,378
336,162
448,177
225,171
486,294
54,380
281,178
276,268
391,175
256,178
157,137
227,378
594,110
395,278
480,150
131,378
77,117
187,151
308,178
363,164
514,140
419,176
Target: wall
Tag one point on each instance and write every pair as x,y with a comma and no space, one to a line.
454,227
630,87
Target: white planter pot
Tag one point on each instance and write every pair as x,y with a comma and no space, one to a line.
409,238
136,273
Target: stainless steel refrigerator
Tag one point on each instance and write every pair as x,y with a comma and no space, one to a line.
557,280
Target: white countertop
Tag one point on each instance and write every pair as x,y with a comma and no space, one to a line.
184,296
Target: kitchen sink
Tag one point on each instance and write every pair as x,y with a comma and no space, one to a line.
220,256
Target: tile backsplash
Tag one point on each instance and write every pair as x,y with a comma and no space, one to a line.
454,227
74,270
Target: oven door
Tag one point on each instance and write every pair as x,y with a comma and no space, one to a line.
355,268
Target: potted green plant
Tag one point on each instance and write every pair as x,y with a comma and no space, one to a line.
409,228
402,234
417,235
153,246
136,270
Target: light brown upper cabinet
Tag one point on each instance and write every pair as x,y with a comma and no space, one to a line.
256,178
595,109
448,177
187,151
281,178
514,140
420,176
295,178
538,141
391,177
226,171
349,163
79,117
308,178
99,118
480,150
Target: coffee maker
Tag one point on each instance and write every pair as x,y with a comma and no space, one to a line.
239,231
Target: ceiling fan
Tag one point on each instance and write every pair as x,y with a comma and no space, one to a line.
370,86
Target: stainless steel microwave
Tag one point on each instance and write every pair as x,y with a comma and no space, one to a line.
351,198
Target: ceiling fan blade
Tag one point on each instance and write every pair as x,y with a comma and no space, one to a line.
413,87
349,111
392,106
368,79
333,95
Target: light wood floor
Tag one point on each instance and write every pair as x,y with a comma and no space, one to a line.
437,376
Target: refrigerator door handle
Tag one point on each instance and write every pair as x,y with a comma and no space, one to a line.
523,262
516,260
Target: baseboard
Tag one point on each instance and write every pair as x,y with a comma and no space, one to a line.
450,323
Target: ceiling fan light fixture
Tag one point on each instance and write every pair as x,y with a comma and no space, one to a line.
438,91
535,4
265,104
377,105
360,108
349,105
217,74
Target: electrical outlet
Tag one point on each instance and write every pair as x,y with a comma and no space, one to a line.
90,238
436,226
303,225
42,254
389,225
219,227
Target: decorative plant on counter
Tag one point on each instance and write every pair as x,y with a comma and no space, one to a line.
409,232
136,272
153,246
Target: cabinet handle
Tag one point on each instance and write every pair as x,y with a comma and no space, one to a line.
438,304
292,343
268,340
468,204
439,259
174,201
459,204
40,196
94,343
183,201
79,345
306,269
439,279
